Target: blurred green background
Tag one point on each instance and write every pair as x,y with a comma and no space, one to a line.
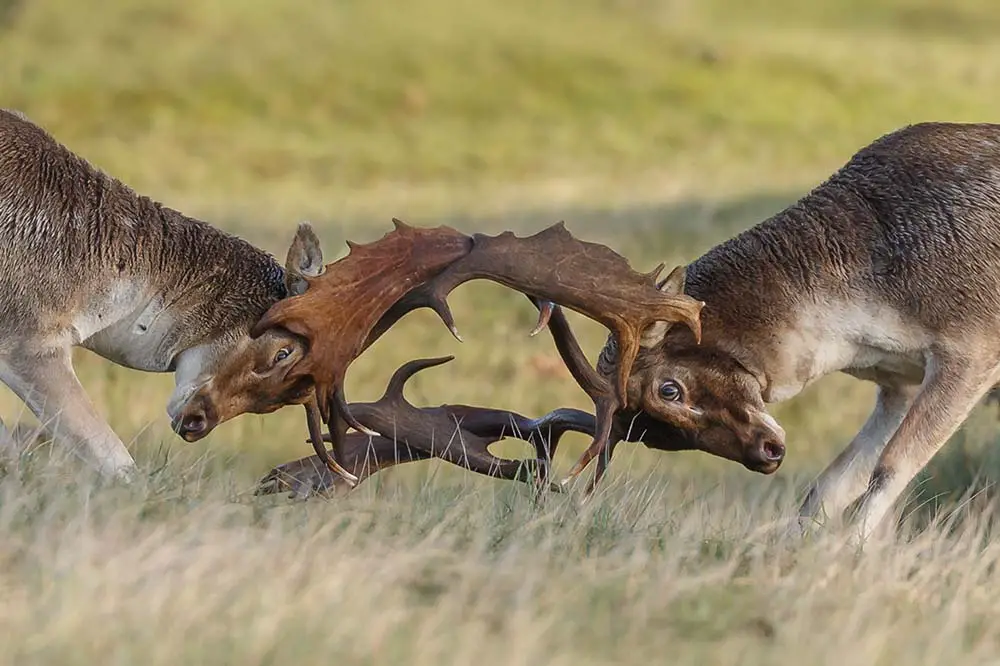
657,127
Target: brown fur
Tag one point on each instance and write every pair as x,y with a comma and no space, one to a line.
86,261
888,271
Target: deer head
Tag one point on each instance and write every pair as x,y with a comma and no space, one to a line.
237,374
691,396
681,395
299,352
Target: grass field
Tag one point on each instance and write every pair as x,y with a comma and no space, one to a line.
657,127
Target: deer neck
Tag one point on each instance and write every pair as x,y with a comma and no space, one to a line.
184,284
788,299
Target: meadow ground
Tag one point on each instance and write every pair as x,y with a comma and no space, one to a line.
657,127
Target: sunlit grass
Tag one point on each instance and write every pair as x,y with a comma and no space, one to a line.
185,569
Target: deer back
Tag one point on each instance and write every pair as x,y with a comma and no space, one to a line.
83,254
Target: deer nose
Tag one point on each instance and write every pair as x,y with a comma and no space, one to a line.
766,454
772,450
192,424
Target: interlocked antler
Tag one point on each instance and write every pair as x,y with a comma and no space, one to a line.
459,434
593,382
553,267
340,308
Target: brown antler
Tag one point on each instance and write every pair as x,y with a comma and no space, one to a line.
340,307
364,455
459,434
628,425
462,434
554,267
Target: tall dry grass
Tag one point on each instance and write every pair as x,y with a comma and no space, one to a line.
657,569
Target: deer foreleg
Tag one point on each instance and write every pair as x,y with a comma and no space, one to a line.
846,478
47,383
952,387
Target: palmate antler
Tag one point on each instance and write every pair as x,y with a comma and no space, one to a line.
459,434
358,298
553,267
340,308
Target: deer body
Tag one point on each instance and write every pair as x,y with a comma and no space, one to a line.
85,261
889,271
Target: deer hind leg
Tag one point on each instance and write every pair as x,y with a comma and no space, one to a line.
846,478
50,388
952,387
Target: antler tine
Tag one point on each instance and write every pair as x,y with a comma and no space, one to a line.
394,389
602,466
546,433
592,383
545,309
361,453
315,427
391,398
418,297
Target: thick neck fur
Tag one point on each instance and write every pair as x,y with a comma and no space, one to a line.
759,282
82,251
777,263
900,245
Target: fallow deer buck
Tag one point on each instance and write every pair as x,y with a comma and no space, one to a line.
888,271
85,261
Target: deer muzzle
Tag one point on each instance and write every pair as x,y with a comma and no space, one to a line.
196,419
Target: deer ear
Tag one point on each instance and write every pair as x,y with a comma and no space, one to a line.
673,285
304,260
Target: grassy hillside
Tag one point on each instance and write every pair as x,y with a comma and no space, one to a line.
660,128
657,127
302,103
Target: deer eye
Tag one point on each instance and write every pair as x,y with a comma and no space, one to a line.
282,354
670,391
